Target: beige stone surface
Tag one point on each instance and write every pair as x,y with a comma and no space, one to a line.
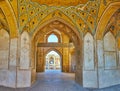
4,49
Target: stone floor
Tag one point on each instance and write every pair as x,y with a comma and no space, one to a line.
57,81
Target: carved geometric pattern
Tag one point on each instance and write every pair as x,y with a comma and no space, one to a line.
83,15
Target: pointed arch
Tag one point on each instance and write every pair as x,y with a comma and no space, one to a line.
75,31
54,49
52,38
109,42
112,8
110,51
58,36
65,20
59,60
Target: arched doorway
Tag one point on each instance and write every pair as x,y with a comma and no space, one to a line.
69,44
53,61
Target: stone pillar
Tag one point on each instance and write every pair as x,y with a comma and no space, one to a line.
89,67
100,53
4,60
65,62
72,62
100,57
24,70
25,51
79,65
13,53
40,60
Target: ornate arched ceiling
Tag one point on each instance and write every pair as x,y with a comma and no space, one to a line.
114,24
8,19
84,17
3,21
61,2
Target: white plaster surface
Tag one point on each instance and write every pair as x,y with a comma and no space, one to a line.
100,53
109,51
108,78
110,60
13,52
108,73
109,42
8,78
90,79
23,78
25,51
88,52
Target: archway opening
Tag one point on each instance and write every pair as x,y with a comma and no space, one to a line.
69,45
52,38
52,61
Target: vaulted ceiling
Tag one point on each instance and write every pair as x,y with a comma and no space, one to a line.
61,2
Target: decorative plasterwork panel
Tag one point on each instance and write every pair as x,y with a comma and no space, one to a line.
83,16
110,51
88,52
114,24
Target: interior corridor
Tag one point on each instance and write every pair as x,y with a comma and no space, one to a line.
53,80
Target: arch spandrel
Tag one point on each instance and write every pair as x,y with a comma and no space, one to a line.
75,30
55,15
10,17
112,8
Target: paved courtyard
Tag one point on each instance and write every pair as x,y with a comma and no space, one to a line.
57,81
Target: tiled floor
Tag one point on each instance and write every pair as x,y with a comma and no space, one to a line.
57,81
